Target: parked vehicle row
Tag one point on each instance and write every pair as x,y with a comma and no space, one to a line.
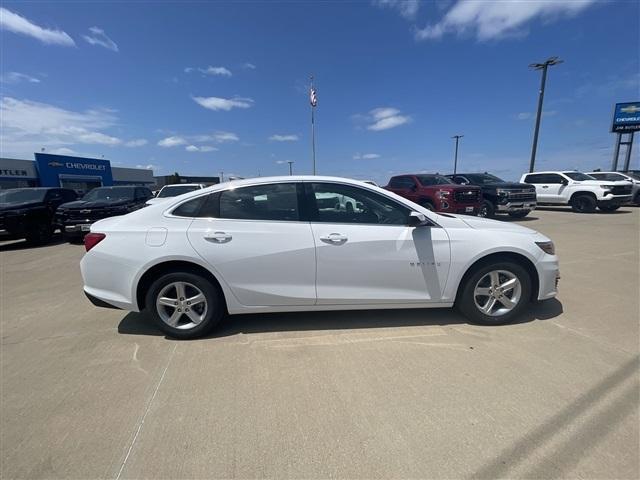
293,244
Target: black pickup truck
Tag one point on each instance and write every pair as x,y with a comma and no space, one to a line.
515,199
29,212
75,218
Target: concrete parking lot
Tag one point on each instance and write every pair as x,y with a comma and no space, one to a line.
95,393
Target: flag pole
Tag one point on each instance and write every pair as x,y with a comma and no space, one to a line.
313,128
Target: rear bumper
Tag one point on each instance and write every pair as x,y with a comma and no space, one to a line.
98,302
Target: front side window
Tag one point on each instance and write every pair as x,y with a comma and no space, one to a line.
277,201
428,180
21,195
336,203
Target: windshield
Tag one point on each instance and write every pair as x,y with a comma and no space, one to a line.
633,175
433,180
177,190
614,177
110,193
483,178
578,176
21,195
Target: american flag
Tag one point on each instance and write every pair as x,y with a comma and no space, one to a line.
313,98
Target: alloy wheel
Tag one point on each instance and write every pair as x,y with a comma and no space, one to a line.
181,305
497,293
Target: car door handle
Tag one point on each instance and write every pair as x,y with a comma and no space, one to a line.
218,237
545,186
334,238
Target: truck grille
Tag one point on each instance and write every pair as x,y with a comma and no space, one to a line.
522,195
467,196
83,215
621,190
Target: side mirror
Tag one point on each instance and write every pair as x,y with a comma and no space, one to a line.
417,219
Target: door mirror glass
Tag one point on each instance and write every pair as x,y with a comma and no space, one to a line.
417,219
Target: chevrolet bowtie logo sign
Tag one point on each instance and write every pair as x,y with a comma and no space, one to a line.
630,109
85,211
53,163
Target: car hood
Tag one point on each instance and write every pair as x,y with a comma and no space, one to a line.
19,206
94,204
481,223
595,183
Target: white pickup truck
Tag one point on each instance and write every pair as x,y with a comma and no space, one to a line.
582,192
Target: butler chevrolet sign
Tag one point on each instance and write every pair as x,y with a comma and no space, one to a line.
626,117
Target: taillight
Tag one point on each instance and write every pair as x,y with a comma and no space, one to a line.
92,239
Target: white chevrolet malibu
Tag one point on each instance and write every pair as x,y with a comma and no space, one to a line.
290,244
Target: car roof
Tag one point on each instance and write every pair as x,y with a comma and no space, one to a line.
184,185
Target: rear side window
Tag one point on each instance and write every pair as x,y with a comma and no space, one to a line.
261,202
192,208
402,182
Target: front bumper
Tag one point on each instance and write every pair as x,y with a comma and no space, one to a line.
615,199
516,206
548,277
448,206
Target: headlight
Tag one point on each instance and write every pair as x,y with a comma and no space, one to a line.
547,247
442,193
502,192
607,187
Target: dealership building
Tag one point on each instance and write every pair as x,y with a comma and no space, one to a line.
79,173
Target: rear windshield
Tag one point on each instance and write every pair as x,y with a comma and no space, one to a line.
21,195
110,193
177,190
433,180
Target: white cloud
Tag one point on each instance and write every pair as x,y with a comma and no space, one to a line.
222,71
226,104
138,142
149,166
524,115
202,148
529,115
283,138
366,156
28,126
490,19
15,23
384,118
16,77
222,137
173,141
98,37
248,66
63,151
407,8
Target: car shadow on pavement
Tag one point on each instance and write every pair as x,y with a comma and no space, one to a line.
597,212
507,218
139,324
10,246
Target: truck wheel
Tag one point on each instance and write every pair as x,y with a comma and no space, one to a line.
39,233
583,203
428,205
636,199
487,210
519,214
608,208
184,305
495,293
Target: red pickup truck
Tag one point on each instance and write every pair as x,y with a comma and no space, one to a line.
437,193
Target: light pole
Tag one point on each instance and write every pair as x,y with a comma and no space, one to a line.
540,66
290,162
455,159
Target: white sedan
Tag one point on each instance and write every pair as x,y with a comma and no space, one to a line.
276,245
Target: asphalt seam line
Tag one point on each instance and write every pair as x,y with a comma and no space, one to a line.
144,416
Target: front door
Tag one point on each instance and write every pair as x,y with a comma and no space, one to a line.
369,255
254,237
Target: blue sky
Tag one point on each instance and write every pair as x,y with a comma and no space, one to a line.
204,87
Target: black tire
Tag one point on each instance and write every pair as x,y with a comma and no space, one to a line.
487,210
519,214
636,199
583,203
39,233
428,205
466,299
608,208
214,303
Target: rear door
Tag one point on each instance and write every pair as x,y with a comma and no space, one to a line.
370,255
547,186
254,238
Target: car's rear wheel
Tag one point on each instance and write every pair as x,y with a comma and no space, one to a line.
39,233
583,203
428,205
184,305
487,210
495,294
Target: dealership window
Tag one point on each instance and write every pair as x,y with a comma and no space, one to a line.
335,203
6,183
261,202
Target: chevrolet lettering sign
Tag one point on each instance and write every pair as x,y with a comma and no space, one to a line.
626,117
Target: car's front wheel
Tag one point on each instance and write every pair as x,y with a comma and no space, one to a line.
184,305
519,214
495,293
487,210
608,208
